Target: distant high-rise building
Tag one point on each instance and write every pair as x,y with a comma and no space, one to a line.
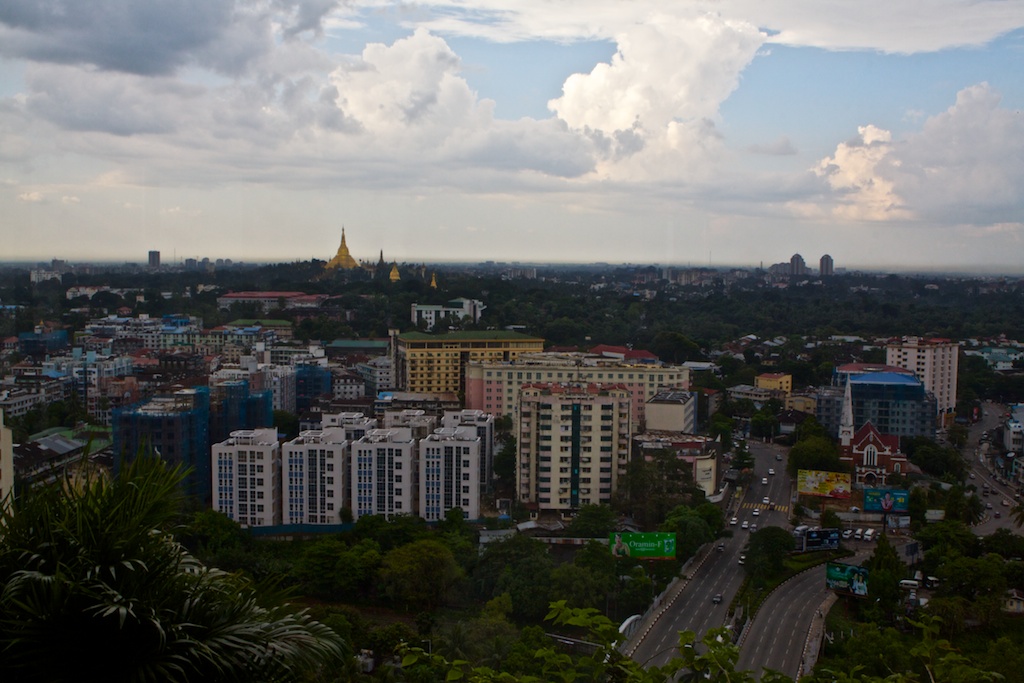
797,265
154,259
825,266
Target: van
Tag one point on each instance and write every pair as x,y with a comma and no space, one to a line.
869,534
858,534
800,530
909,584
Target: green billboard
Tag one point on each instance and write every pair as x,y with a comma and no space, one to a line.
645,546
846,578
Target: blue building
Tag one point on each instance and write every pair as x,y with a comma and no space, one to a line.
175,427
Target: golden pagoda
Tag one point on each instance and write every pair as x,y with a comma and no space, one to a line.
394,276
433,280
343,259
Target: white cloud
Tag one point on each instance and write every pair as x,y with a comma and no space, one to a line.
965,165
33,197
70,199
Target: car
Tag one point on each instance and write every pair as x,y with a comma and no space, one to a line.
998,514
743,559
778,456
753,528
1006,502
734,521
746,525
988,506
765,500
771,506
847,533
972,476
757,511
855,509
771,470
764,481
721,547
717,598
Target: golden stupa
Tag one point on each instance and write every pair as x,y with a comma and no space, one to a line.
343,259
433,280
394,276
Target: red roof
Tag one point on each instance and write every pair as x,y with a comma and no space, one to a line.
625,352
262,295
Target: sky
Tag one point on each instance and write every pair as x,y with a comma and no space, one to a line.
886,133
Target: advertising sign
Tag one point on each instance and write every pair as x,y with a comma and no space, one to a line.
846,578
821,483
822,539
886,500
645,546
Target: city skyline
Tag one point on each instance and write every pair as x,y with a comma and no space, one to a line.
472,131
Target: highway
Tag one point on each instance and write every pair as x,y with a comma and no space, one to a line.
719,572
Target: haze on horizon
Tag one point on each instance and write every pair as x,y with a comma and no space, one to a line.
487,130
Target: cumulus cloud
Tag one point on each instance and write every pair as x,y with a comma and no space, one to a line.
965,165
857,172
33,197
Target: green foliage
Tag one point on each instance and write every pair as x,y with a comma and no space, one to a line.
593,521
767,550
814,453
420,574
94,588
521,567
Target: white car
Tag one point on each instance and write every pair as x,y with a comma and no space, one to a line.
753,528
771,470
756,512
746,525
734,521
764,481
765,500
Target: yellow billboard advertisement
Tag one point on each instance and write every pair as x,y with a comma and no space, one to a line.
821,483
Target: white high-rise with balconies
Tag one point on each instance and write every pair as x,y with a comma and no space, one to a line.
314,477
246,477
934,361
449,473
382,471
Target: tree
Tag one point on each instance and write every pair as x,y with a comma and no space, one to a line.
593,521
767,550
95,588
814,453
420,574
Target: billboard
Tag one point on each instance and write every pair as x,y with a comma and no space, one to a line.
886,500
821,483
645,546
846,578
821,539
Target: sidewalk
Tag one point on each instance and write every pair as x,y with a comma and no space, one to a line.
815,635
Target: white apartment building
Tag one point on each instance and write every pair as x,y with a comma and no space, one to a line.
315,477
573,444
279,379
383,469
378,374
493,386
346,384
355,425
934,361
246,477
483,424
449,474
418,421
456,309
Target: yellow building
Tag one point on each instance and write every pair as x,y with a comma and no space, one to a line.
429,363
343,259
775,381
803,402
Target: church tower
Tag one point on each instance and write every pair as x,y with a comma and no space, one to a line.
846,422
343,259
